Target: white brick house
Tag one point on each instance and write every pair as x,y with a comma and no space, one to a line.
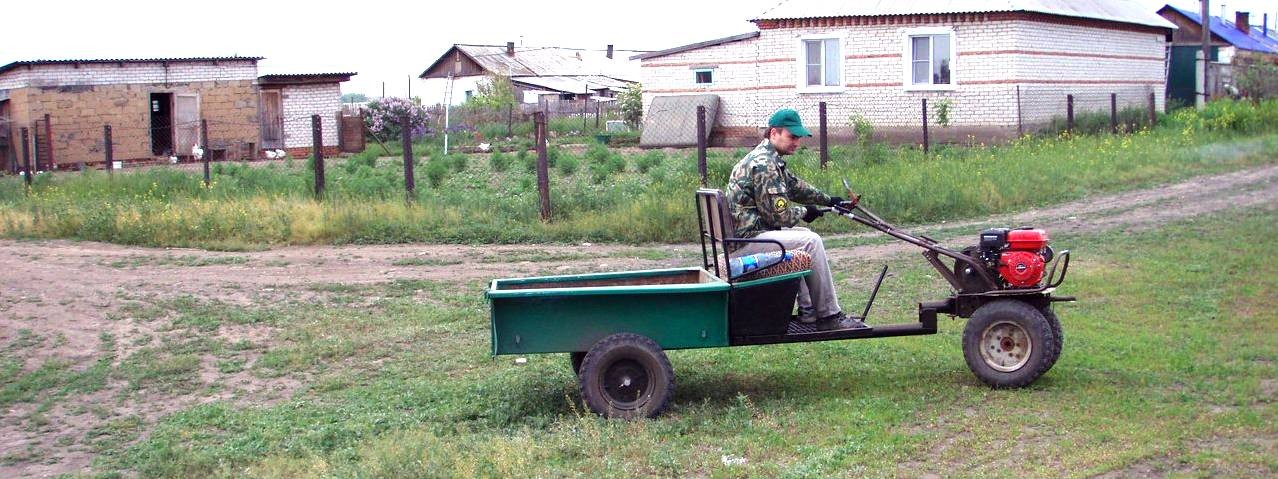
1000,66
288,101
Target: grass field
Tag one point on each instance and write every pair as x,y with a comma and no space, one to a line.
603,195
1170,368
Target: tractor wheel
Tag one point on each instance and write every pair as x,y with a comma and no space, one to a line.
576,357
1058,334
1009,344
626,376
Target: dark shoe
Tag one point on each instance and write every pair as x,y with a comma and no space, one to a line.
839,321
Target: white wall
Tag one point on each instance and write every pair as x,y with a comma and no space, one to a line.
432,89
126,73
1047,61
302,101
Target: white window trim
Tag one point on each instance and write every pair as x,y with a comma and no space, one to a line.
801,64
907,59
695,71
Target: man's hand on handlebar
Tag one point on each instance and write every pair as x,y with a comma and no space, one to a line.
841,203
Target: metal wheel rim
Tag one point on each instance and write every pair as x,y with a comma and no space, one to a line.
1005,346
626,384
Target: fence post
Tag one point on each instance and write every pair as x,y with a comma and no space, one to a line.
543,166
406,136
1153,116
1069,113
510,120
317,149
204,144
701,143
26,155
825,144
1113,113
48,137
109,149
926,146
596,115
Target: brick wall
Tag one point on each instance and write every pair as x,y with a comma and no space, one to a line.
993,58
302,101
81,100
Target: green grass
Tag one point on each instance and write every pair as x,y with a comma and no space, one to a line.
1170,363
601,195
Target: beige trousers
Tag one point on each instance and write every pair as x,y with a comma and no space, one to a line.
816,293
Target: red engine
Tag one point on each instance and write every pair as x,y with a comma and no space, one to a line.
1018,255
1021,269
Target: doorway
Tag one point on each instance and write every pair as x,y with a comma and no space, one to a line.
161,124
8,158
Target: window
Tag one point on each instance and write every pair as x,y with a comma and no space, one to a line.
704,76
930,58
822,63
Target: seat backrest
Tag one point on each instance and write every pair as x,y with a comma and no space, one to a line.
715,221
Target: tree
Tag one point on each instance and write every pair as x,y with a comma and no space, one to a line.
354,98
495,92
631,101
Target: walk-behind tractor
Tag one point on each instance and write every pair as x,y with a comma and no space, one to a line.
616,326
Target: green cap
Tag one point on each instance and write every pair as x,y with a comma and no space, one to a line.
789,119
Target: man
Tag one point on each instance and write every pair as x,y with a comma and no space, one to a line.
767,202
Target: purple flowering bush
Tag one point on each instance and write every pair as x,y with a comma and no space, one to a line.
384,117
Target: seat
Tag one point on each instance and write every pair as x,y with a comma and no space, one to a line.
717,227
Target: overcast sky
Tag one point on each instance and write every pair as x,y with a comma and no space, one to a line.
380,40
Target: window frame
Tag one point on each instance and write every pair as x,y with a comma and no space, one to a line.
699,70
907,58
801,64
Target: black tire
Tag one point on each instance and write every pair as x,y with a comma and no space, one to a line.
576,358
1058,334
1009,344
626,376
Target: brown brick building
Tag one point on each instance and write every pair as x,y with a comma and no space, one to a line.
154,108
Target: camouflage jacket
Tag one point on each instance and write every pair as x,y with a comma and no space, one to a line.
764,196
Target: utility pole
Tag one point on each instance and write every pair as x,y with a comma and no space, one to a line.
1206,27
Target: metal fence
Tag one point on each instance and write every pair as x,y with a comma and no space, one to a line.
990,114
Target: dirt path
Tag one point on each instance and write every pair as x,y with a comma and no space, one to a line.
66,293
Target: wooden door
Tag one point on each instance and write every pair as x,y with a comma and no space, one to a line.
272,119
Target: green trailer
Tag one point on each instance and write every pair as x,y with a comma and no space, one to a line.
616,326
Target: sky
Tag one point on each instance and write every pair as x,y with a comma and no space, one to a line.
386,43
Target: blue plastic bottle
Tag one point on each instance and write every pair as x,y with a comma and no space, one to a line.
745,264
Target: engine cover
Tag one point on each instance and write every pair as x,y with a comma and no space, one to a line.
1021,269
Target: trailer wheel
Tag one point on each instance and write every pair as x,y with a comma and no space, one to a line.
1009,344
626,376
576,357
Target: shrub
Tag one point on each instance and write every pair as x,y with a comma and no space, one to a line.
649,160
499,161
567,165
437,172
384,117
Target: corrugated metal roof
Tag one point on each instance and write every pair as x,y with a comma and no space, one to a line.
695,46
1230,33
284,79
572,83
1124,11
551,61
125,60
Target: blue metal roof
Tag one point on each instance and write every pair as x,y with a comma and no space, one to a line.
1226,30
